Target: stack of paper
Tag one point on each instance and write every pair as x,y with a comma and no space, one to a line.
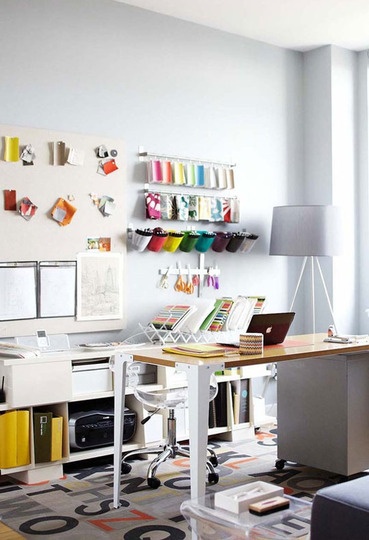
200,350
17,351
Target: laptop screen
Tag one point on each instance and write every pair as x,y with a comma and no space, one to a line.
273,326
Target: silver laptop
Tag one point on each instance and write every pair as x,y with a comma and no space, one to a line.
273,326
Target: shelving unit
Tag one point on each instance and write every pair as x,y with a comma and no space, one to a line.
54,392
183,181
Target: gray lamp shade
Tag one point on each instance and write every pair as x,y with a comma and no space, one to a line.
306,231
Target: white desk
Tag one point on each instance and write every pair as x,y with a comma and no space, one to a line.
198,372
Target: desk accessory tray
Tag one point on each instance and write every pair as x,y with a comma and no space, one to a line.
238,499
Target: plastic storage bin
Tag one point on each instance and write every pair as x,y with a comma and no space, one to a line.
158,238
173,240
235,242
140,239
189,241
221,241
205,241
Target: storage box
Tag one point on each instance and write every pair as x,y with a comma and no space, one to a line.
251,343
91,378
238,499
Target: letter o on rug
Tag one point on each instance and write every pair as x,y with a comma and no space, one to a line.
142,532
69,524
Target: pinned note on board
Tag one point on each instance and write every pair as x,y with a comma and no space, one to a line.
76,156
107,166
28,155
63,212
59,153
11,152
106,205
27,209
10,199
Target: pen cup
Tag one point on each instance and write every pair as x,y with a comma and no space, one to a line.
140,239
173,240
221,241
157,240
205,241
189,241
235,242
248,243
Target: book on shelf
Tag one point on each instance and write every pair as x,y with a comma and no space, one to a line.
192,323
56,438
14,437
259,304
42,436
218,408
212,415
220,317
217,318
170,317
48,436
240,314
240,400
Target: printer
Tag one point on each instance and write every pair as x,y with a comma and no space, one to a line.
90,429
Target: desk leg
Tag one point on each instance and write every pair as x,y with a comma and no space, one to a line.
198,407
120,368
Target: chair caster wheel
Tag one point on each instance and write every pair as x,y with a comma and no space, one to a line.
213,460
213,478
153,482
125,468
279,464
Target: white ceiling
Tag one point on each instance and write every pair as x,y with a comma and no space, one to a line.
294,24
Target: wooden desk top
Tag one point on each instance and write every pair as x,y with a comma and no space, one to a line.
293,348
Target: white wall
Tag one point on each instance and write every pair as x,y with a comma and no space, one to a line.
333,149
101,67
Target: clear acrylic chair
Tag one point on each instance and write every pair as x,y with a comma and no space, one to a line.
170,399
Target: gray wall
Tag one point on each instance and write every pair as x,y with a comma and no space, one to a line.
101,67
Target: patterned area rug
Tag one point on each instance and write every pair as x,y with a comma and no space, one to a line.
79,506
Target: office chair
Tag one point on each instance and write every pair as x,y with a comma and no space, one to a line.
170,399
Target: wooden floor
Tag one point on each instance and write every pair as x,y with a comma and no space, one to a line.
8,534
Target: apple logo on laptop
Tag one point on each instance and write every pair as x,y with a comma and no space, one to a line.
268,330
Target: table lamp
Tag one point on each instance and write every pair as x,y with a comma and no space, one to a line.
309,231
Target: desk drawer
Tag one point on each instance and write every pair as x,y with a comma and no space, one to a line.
91,378
37,384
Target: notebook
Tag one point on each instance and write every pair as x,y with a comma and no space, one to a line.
273,326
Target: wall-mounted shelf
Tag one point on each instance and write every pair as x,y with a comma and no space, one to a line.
145,156
181,171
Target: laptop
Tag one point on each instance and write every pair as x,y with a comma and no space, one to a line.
273,326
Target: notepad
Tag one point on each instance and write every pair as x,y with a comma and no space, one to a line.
199,349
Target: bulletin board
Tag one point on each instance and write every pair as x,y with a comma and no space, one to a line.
62,196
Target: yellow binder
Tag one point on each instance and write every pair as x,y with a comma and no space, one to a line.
14,439
56,438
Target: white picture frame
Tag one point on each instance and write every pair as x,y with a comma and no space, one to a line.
99,286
